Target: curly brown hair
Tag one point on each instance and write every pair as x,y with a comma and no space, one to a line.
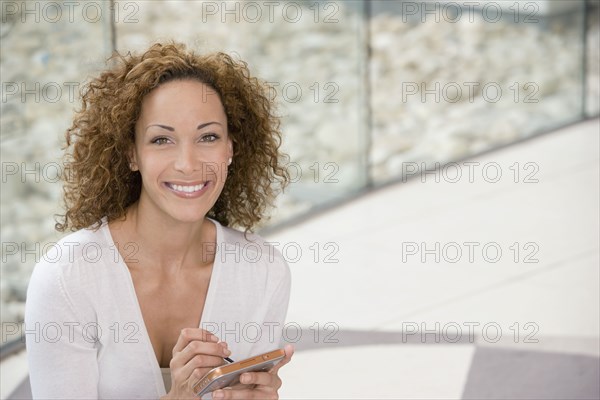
97,179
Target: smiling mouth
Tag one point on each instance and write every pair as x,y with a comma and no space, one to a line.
186,188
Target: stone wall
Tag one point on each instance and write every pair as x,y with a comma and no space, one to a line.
45,56
447,87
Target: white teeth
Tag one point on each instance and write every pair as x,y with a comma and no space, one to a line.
186,189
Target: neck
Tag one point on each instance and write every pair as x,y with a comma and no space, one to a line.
171,245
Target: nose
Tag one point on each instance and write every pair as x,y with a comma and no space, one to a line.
186,160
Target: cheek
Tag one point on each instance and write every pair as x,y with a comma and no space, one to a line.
150,169
219,162
222,153
215,171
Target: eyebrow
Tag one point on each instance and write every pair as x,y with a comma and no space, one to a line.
171,129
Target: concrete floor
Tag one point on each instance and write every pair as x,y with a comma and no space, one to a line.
521,325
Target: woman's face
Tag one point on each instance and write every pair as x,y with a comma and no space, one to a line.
181,150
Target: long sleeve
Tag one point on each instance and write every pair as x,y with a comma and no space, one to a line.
275,306
249,294
60,345
278,304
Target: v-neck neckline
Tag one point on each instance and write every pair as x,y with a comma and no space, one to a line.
206,310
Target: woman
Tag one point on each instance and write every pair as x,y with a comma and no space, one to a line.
155,288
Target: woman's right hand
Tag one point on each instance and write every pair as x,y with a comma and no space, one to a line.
196,352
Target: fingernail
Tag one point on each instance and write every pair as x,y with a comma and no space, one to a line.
218,394
245,378
227,352
214,338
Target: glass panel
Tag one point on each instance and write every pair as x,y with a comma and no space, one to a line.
450,79
593,59
310,52
48,49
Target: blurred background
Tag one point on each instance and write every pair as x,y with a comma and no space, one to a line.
442,226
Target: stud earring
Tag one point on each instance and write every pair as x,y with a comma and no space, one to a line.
229,162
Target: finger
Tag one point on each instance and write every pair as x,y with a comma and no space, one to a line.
194,375
262,379
211,353
204,361
188,334
198,367
289,352
240,386
246,394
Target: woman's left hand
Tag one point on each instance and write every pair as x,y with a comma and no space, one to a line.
257,385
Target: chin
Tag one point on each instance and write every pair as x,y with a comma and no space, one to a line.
179,210
188,217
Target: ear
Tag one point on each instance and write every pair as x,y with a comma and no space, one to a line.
133,165
229,147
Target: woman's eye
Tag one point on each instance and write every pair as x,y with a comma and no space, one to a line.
160,140
211,137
